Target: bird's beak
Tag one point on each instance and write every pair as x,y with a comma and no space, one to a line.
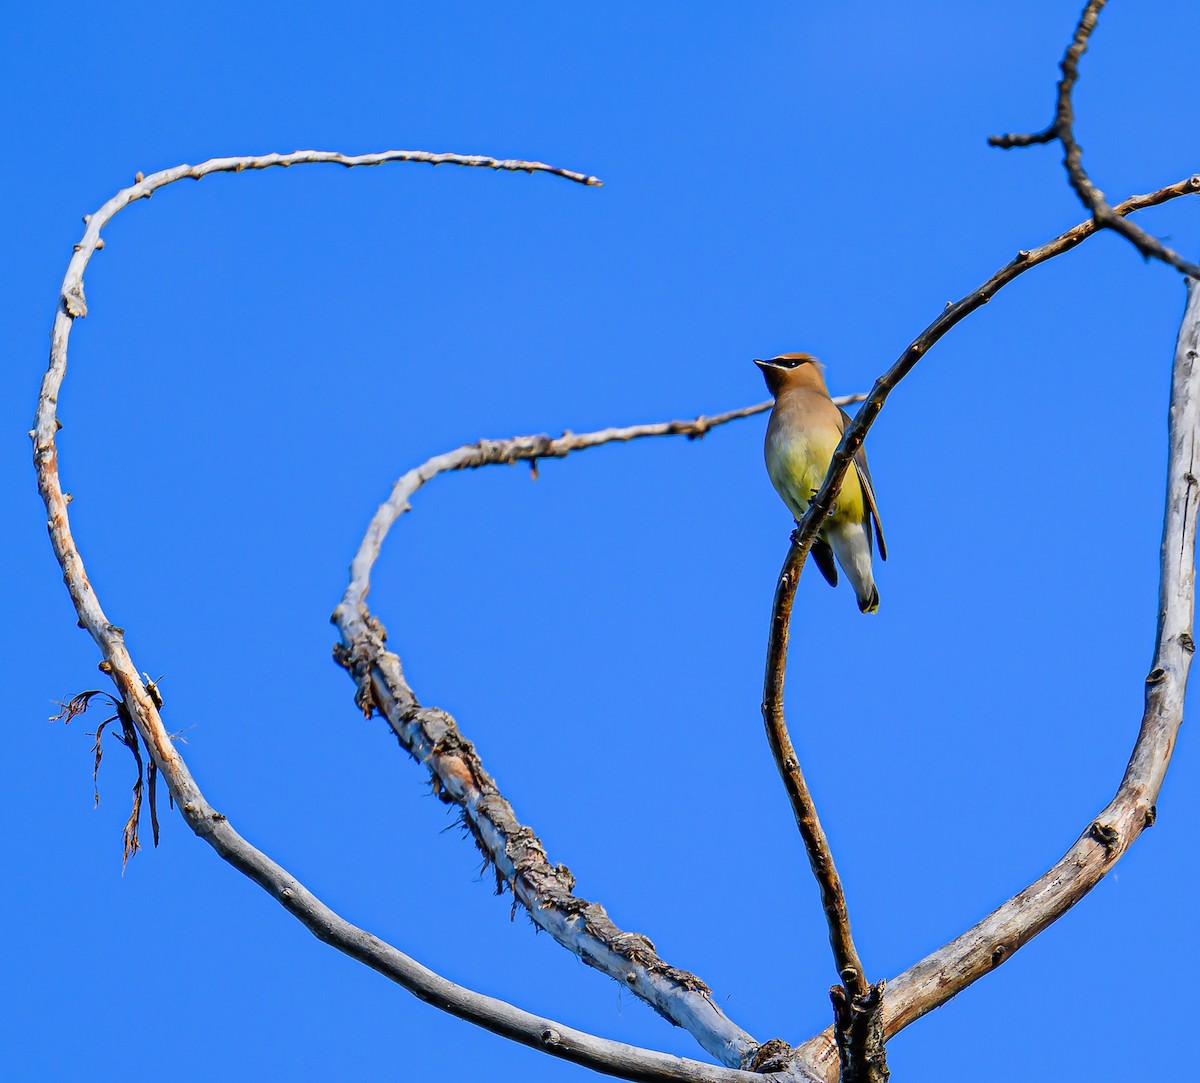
763,364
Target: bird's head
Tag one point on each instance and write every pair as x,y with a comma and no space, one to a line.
792,370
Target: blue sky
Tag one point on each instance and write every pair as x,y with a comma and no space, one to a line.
266,353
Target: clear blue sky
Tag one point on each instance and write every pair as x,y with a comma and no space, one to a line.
265,353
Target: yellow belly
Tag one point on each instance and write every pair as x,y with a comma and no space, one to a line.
798,468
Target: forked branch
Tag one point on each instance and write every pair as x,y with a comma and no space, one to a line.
523,854
822,1051
1062,129
432,737
381,683
947,971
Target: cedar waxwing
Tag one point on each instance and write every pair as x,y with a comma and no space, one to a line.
804,430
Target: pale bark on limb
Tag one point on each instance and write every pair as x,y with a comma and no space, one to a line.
664,986
432,737
370,664
603,1055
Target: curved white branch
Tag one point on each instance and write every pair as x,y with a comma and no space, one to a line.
514,449
614,1058
432,737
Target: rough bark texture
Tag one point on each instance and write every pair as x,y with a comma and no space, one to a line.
513,848
142,704
858,1032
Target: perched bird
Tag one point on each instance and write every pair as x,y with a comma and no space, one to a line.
804,430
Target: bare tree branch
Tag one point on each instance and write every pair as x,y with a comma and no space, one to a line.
983,947
953,314
144,187
432,737
816,845
212,826
1062,129
516,449
821,1049
614,1058
856,1002
381,683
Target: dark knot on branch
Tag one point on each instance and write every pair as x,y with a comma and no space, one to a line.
858,1030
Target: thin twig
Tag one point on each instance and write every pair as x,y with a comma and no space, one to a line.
992,941
72,295
858,1031
816,845
511,450
603,1055
952,315
1062,129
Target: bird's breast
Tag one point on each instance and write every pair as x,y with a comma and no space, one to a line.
797,461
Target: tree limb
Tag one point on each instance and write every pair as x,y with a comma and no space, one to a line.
1062,129
856,1003
992,941
432,737
953,314
816,845
823,1050
382,685
602,1055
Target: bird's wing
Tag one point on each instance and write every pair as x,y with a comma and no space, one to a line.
868,487
822,554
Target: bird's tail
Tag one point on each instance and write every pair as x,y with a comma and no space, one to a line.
852,546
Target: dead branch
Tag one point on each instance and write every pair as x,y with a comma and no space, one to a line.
432,738
381,683
1062,129
816,844
953,314
142,705
994,940
498,1016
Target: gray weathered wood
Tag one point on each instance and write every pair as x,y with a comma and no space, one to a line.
600,1054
